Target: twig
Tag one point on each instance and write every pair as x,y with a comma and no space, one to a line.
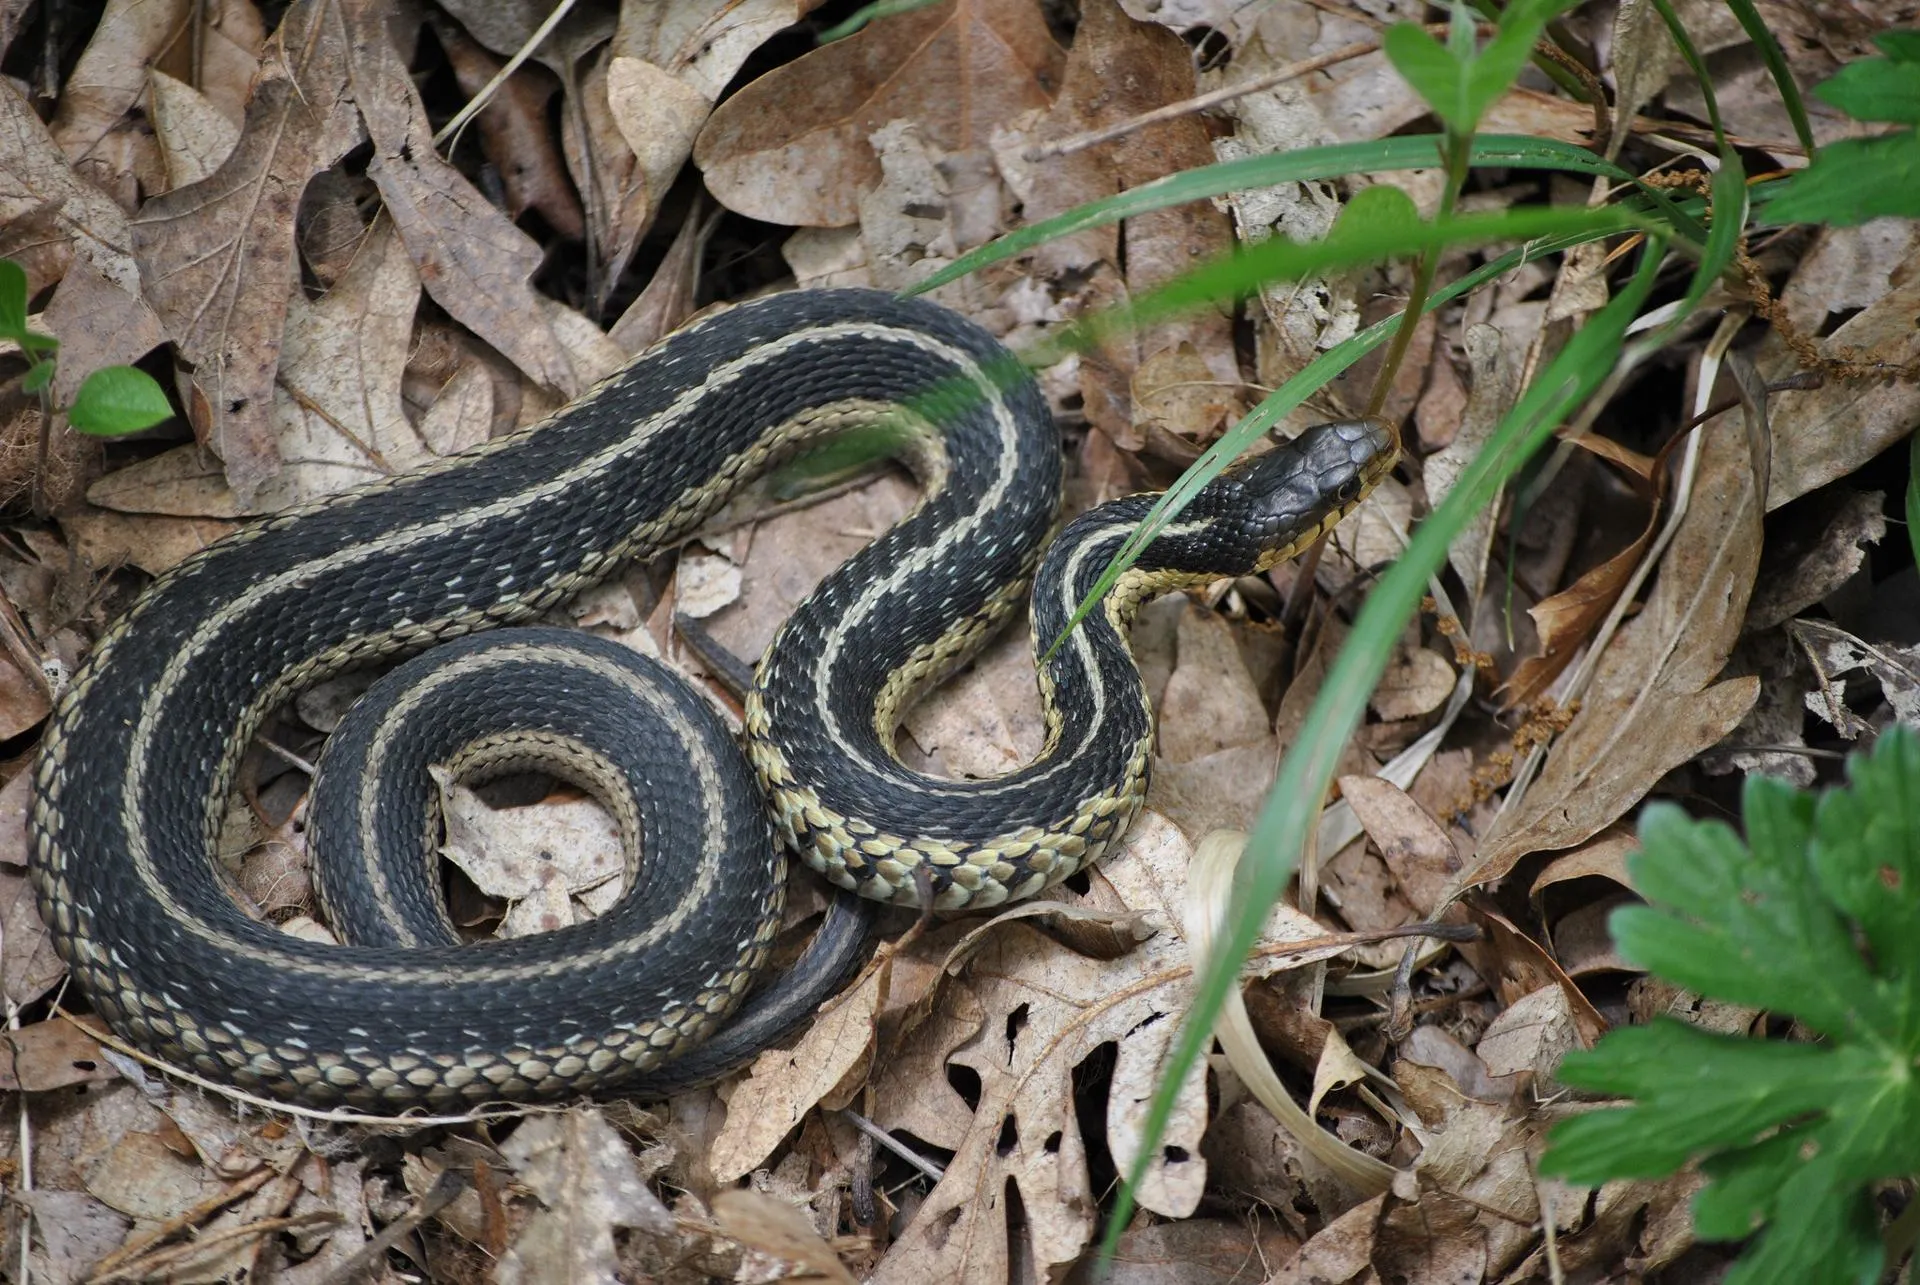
1198,103
487,91
894,1145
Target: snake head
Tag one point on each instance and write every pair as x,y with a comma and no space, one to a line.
1270,507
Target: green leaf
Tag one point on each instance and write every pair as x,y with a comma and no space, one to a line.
1882,89
1458,83
116,400
1811,917
1434,72
13,300
1755,25
38,376
1852,181
1913,495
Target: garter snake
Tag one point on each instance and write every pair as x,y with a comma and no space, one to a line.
143,749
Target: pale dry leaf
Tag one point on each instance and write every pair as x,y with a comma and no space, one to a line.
77,1230
1604,857
461,417
909,219
195,137
1338,1068
1516,965
701,43
1197,1251
145,1178
28,965
958,69
1413,846
536,858
1339,1252
186,482
217,256
110,76
1835,654
98,324
1046,1010
622,194
1642,59
1828,432
774,1226
472,259
1531,1034
42,200
579,1167
1211,702
985,721
1417,682
784,1084
1654,701
668,299
792,552
51,1054
659,115
1800,571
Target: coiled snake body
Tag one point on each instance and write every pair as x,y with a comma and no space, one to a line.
143,748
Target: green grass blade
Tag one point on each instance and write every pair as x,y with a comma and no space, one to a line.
1776,60
1695,63
1417,151
867,13
1293,806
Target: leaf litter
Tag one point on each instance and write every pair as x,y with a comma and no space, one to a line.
261,210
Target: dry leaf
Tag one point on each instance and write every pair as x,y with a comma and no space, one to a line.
1830,431
958,70
775,1227
514,132
1654,702
584,1175
78,1232
51,1054
217,256
1047,1010
52,210
539,859
471,258
784,1084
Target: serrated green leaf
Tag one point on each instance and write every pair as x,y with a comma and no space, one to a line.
1852,181
1901,46
13,300
1866,855
1879,89
116,400
1824,1235
1812,918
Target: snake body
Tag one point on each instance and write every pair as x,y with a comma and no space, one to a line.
142,751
